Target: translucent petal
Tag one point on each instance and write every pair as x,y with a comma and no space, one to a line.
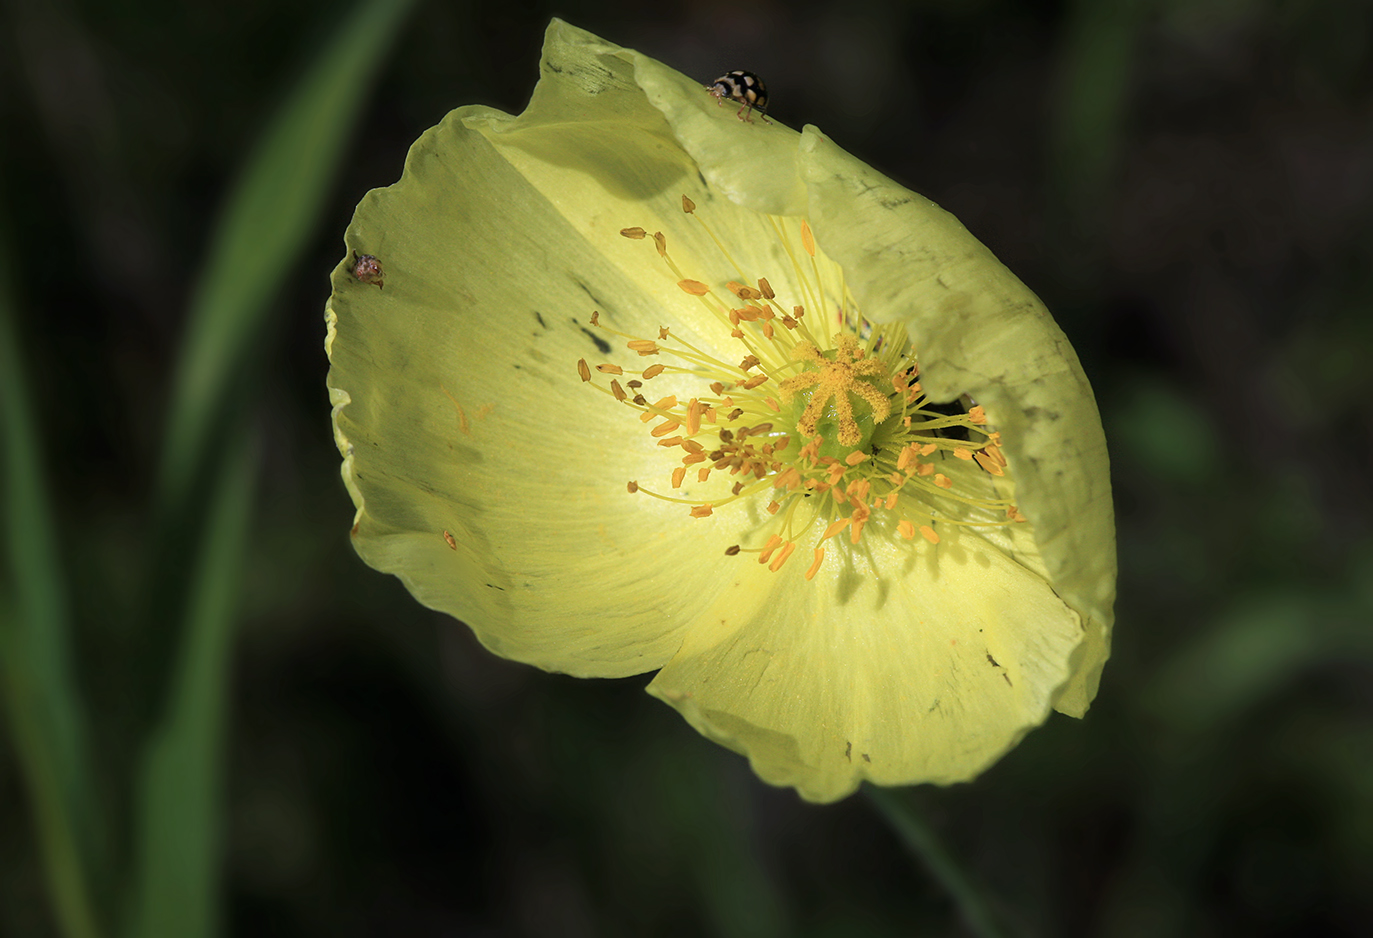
459,410
981,332
730,152
487,475
901,662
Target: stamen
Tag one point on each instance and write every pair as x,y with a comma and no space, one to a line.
773,543
815,564
867,434
835,528
782,557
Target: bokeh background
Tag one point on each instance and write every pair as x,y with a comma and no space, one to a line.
1187,183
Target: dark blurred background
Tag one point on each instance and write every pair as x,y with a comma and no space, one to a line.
1187,183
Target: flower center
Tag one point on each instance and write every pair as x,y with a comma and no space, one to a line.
828,431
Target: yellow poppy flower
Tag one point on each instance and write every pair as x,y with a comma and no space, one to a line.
628,383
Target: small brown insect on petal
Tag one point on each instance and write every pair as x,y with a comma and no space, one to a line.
452,541
367,269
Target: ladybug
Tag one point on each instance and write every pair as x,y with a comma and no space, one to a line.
746,88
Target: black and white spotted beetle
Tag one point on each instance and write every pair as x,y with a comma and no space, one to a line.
746,88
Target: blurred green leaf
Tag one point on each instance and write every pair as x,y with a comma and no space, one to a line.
43,706
265,225
920,839
1255,650
179,846
1159,430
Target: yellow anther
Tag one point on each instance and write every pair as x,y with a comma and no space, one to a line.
583,369
928,534
815,564
688,206
856,530
988,463
905,529
782,557
772,544
635,233
693,420
835,528
701,511
694,287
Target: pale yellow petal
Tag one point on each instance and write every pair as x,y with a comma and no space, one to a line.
901,662
752,164
981,332
487,475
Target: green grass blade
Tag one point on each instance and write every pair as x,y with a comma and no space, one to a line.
922,841
42,704
266,223
265,226
181,786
